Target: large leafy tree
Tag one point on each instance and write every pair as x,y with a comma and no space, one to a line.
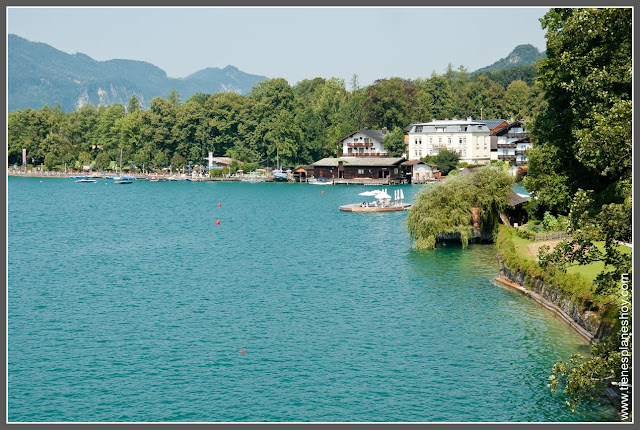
581,164
455,205
582,135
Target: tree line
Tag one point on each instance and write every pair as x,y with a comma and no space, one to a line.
295,125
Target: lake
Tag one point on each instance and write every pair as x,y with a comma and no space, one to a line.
127,303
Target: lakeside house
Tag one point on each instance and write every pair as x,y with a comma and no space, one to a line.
363,143
469,138
511,141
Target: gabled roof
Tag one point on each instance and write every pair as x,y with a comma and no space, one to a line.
516,199
359,161
374,134
508,126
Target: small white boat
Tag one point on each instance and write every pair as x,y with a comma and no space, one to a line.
123,181
86,181
319,181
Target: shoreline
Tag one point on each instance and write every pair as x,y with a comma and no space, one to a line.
550,306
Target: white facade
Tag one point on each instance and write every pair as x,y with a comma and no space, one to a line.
470,139
362,145
513,143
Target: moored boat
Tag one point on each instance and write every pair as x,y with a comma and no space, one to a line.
321,180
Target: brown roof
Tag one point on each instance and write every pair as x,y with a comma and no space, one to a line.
360,161
303,169
516,199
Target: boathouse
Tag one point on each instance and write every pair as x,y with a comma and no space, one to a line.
375,168
419,172
302,173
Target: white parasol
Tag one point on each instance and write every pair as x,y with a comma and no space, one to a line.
369,193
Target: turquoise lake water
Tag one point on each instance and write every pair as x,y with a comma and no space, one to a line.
128,303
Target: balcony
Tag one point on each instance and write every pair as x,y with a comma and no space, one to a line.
364,154
505,157
521,162
360,145
518,135
521,151
506,145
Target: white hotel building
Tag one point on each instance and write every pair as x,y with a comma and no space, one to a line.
470,139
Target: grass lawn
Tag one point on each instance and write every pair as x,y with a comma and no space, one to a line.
527,248
590,271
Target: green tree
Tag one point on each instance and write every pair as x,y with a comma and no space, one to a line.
582,133
103,161
448,207
394,142
174,98
134,104
446,160
178,161
389,103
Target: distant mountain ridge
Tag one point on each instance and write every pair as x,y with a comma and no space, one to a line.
39,74
522,55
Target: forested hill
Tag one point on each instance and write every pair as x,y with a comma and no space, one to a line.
522,55
39,75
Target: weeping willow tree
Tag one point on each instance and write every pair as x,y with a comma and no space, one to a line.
450,207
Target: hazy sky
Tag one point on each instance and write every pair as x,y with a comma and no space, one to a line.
293,43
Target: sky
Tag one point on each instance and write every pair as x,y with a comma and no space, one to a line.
292,43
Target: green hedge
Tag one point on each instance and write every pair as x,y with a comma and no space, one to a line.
577,288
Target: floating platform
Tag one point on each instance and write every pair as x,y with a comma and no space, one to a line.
357,207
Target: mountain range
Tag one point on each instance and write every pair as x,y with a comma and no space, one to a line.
39,74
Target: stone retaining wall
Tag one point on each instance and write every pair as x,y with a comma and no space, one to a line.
589,322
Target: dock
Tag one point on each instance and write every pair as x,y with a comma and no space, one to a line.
357,207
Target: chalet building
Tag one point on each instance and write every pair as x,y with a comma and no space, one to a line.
360,167
469,138
418,172
363,143
512,141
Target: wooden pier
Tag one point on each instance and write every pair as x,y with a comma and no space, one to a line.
358,207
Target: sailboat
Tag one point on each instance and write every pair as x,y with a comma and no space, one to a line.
278,174
123,179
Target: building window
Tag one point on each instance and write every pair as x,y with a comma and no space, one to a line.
449,141
430,140
418,129
439,140
460,140
360,171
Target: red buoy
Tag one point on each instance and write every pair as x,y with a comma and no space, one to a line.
219,204
218,222
322,191
243,351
